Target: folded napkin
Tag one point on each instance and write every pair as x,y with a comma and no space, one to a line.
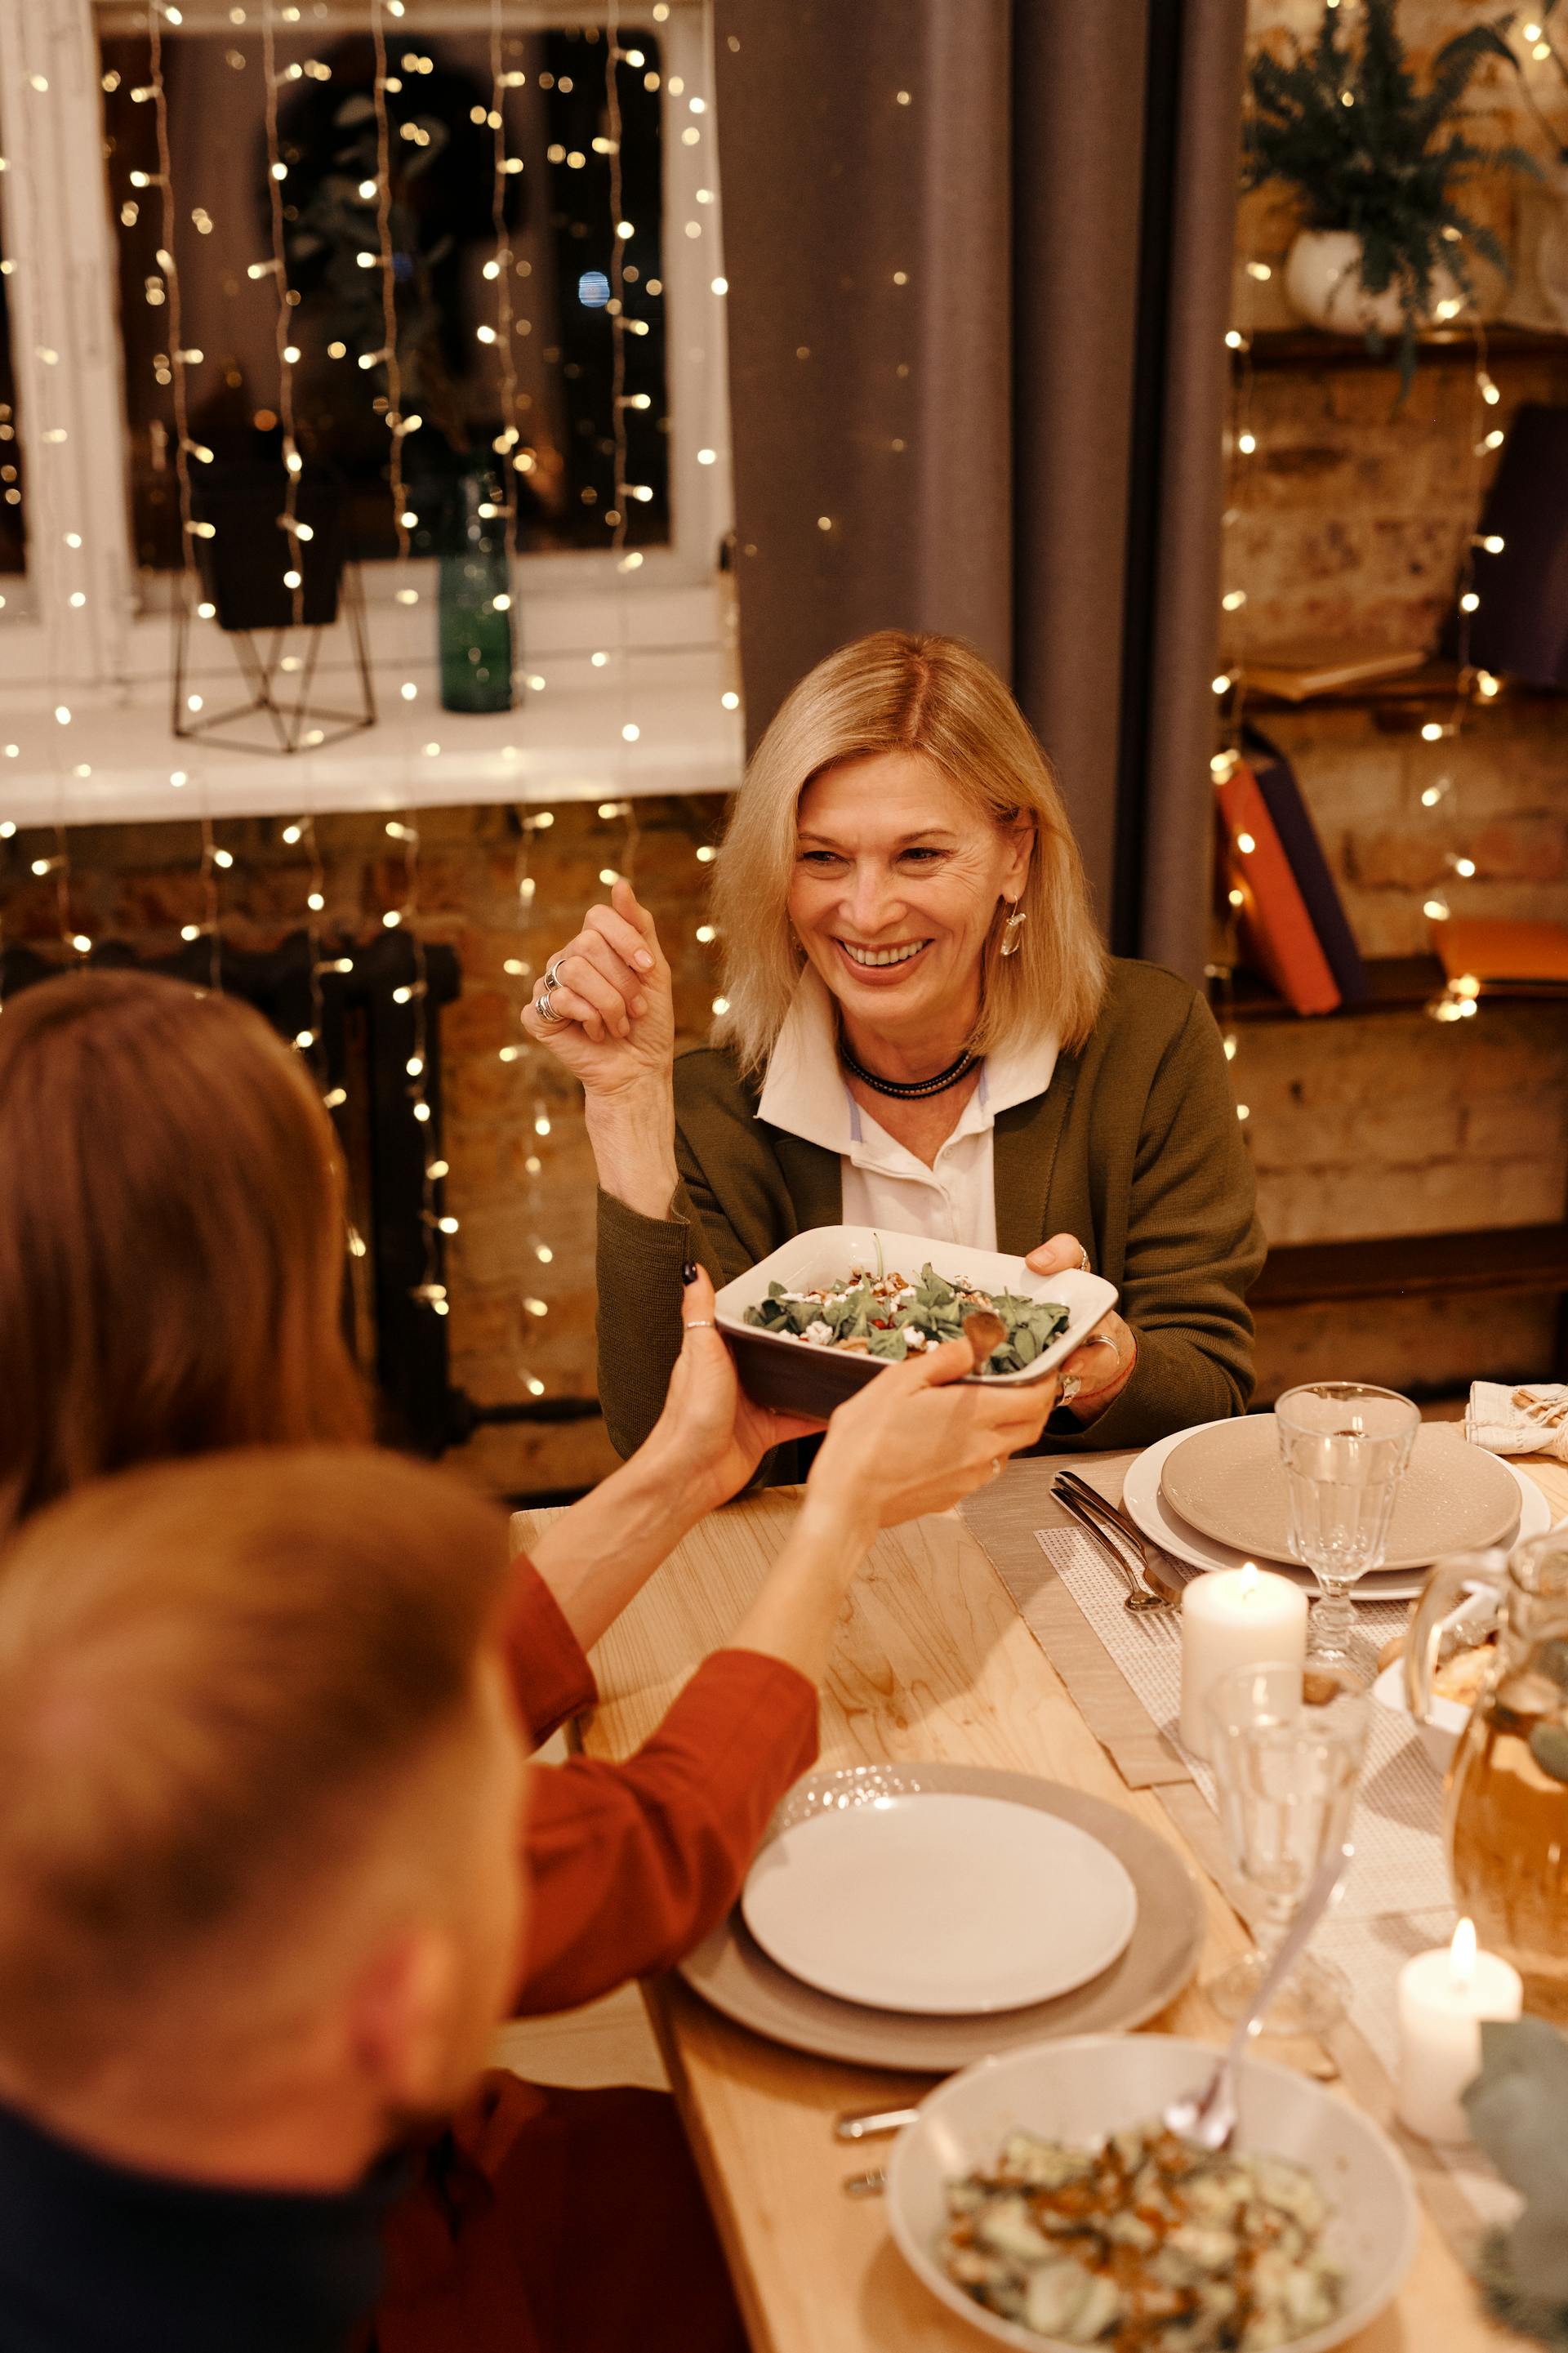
1532,1419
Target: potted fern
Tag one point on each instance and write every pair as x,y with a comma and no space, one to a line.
1379,166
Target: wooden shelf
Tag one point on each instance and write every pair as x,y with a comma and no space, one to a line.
1397,985
1394,985
1281,347
1530,1258
1405,702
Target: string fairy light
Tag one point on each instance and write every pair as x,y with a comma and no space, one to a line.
531,823
283,332
506,440
430,1291
188,586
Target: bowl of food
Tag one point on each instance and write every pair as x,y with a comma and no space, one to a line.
823,1315
1037,2196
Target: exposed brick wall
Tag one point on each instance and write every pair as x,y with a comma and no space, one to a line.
1352,525
139,883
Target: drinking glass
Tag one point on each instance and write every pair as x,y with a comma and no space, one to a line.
1286,1744
1345,1448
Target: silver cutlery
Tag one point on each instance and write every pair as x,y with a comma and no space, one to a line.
1139,1598
1157,1569
860,2124
1208,2117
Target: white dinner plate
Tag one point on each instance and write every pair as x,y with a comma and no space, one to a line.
939,1905
1140,1495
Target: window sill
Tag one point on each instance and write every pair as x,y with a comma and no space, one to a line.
564,739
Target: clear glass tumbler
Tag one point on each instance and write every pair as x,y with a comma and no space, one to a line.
1345,1448
1287,1744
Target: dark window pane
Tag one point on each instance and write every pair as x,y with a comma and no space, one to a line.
557,217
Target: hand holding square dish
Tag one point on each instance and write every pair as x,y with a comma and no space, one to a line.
802,1377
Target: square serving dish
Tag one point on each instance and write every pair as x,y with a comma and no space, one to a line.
798,1376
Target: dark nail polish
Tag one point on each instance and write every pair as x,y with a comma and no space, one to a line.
689,1271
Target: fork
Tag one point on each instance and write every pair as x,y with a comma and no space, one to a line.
1139,1599
1157,1569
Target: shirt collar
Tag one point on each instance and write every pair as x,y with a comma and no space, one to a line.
805,1092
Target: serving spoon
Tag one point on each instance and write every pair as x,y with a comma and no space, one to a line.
1207,2117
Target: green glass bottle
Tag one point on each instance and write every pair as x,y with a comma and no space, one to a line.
475,599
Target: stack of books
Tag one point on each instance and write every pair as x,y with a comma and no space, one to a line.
1291,921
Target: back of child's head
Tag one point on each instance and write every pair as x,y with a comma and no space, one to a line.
238,1705
172,1236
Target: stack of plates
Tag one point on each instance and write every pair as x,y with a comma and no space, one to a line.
921,1916
1215,1496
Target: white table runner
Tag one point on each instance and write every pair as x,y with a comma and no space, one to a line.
1395,1901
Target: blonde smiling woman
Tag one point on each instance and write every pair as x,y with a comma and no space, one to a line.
924,1032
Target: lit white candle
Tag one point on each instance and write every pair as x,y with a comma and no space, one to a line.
1443,1998
1243,1617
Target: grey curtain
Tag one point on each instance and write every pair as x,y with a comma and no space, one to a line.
979,258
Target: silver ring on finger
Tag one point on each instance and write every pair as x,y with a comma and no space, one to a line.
1071,1385
995,1466
1099,1340
553,971
545,1009
699,1323
1082,1260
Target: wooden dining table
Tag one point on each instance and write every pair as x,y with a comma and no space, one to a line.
933,1662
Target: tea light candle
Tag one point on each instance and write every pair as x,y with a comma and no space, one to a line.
1243,1617
1443,1998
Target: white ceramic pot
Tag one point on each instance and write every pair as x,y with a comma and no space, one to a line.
1323,285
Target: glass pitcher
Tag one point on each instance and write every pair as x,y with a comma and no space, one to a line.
1506,1817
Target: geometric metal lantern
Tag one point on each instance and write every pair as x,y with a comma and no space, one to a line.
278,669
273,567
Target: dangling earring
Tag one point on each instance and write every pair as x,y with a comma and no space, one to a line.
1015,923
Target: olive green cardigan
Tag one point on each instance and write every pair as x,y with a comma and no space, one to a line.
1134,1147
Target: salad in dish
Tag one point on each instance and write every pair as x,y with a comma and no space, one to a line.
893,1315
1147,2245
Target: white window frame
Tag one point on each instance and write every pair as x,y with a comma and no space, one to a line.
64,298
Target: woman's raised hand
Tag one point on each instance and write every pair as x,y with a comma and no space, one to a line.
610,1016
910,1442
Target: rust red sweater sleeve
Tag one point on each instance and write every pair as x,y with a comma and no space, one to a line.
551,1678
630,1866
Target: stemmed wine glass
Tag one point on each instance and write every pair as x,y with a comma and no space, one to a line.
1286,1744
1345,1447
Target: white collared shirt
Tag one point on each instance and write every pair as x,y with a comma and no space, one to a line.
884,1183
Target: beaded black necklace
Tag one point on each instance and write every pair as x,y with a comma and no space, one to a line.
906,1090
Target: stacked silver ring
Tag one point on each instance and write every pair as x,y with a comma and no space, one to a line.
547,987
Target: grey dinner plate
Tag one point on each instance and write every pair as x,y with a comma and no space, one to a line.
730,1970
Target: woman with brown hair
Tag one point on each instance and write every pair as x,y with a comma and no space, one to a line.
171,1237
919,1029
172,1233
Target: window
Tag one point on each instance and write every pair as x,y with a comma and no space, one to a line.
555,244
88,340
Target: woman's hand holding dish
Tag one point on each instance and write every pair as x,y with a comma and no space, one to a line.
910,1442
710,1433
1101,1365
